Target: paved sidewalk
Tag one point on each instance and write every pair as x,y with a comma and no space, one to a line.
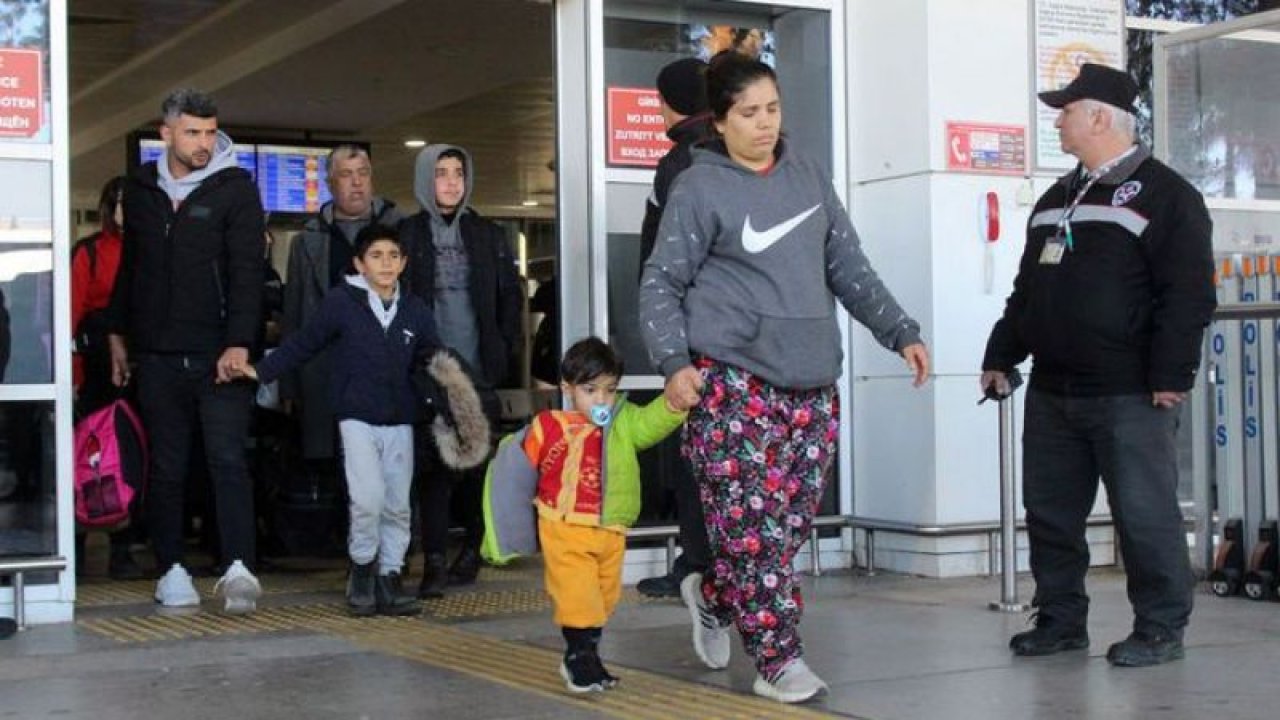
892,647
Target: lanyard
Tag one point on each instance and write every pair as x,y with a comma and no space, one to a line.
1063,233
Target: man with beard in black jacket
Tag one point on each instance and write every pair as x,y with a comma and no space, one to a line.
462,266
186,308
682,89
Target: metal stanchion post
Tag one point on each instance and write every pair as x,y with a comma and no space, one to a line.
1008,514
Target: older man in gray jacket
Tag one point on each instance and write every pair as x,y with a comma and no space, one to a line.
318,259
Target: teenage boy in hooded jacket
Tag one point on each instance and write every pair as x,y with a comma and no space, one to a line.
461,265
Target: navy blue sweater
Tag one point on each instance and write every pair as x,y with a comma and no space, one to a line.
372,375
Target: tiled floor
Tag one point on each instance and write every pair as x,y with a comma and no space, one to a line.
891,647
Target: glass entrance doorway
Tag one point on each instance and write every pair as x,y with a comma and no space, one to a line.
608,57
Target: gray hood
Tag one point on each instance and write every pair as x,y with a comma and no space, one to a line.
224,156
424,177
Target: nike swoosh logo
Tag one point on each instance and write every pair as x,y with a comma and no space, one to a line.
754,241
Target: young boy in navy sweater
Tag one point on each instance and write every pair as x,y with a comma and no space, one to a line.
379,338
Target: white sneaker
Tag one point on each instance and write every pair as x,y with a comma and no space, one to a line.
240,588
175,589
711,639
795,683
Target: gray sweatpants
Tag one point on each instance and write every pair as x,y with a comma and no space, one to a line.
379,463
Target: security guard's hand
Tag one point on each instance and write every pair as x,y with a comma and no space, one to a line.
996,379
1167,398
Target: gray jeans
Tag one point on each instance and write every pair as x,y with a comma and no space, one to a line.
1068,443
379,464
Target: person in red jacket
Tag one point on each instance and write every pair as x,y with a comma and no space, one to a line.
94,263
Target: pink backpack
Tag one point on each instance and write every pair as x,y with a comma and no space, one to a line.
111,465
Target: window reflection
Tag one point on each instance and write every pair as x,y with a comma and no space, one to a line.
27,521
26,314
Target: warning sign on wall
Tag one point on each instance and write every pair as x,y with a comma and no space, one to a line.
637,134
21,93
986,148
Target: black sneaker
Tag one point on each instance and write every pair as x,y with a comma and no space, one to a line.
1049,636
361,597
610,681
1145,648
583,672
465,567
662,586
435,575
390,597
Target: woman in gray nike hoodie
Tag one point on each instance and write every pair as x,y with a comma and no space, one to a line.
737,307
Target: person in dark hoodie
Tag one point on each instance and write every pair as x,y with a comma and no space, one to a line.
320,257
683,94
461,265
737,307
682,88
186,307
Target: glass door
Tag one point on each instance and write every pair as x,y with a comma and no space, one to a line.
35,378
609,56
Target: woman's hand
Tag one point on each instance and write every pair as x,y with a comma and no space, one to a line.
683,390
917,357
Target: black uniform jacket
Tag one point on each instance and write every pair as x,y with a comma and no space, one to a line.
1124,310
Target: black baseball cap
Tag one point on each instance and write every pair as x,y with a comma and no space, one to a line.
1095,82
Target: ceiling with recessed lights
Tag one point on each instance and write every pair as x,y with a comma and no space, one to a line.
475,73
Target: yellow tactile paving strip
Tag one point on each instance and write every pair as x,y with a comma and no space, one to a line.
641,695
132,592
455,605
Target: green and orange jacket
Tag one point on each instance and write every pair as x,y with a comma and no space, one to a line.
569,470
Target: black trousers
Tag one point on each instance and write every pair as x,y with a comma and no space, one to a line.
447,496
1068,443
177,397
695,551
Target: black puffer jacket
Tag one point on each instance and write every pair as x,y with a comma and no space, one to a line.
190,279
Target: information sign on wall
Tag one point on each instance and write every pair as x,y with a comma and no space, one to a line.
986,148
1068,34
21,93
637,133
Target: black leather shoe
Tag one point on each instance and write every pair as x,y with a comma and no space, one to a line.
662,586
1143,649
435,575
391,599
361,599
465,567
1048,637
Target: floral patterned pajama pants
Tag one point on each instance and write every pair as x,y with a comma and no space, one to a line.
760,454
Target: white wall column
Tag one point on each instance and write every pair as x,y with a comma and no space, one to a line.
930,457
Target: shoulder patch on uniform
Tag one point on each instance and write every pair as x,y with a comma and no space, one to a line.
1125,193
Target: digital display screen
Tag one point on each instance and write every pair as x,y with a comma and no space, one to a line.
292,179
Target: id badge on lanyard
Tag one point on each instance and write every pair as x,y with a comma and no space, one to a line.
1054,250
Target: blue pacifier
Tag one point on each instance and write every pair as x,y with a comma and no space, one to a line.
601,414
